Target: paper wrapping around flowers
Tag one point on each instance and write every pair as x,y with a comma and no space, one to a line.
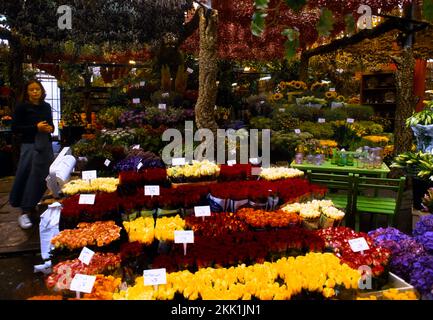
63,168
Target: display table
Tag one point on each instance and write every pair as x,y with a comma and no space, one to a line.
327,167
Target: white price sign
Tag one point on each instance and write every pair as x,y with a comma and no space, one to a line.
162,106
142,83
154,277
178,162
297,131
86,256
137,146
82,283
184,236
151,190
189,70
136,100
107,162
358,244
282,109
203,211
332,89
321,120
350,120
87,199
231,162
139,165
89,175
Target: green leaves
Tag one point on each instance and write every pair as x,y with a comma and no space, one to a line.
258,23
350,24
296,5
261,4
427,10
326,23
292,44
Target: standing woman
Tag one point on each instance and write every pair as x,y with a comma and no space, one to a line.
33,121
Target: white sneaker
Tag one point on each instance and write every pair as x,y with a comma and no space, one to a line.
24,221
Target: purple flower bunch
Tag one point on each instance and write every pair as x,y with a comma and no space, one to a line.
384,234
424,225
422,276
405,250
128,164
133,118
426,240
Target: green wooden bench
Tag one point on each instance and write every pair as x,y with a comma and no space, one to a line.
344,182
374,205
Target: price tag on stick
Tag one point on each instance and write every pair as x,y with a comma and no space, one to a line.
350,120
136,100
321,120
359,245
298,131
184,237
89,175
86,256
151,191
87,199
162,106
82,283
155,277
189,70
231,163
107,162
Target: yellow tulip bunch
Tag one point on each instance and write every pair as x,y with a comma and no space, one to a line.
198,169
84,186
392,294
141,230
280,173
165,227
315,272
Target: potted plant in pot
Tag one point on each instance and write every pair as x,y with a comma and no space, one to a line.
421,124
420,166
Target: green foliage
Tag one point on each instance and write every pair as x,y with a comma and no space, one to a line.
424,117
292,43
319,131
369,127
181,80
418,163
358,112
258,23
109,117
427,10
326,23
296,5
261,4
335,114
350,24
383,121
283,145
165,79
284,121
305,114
260,123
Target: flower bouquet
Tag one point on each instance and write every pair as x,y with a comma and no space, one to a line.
280,173
198,171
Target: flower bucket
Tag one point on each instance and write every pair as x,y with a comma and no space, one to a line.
272,203
257,205
311,224
165,213
326,222
217,204
147,213
235,205
424,137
